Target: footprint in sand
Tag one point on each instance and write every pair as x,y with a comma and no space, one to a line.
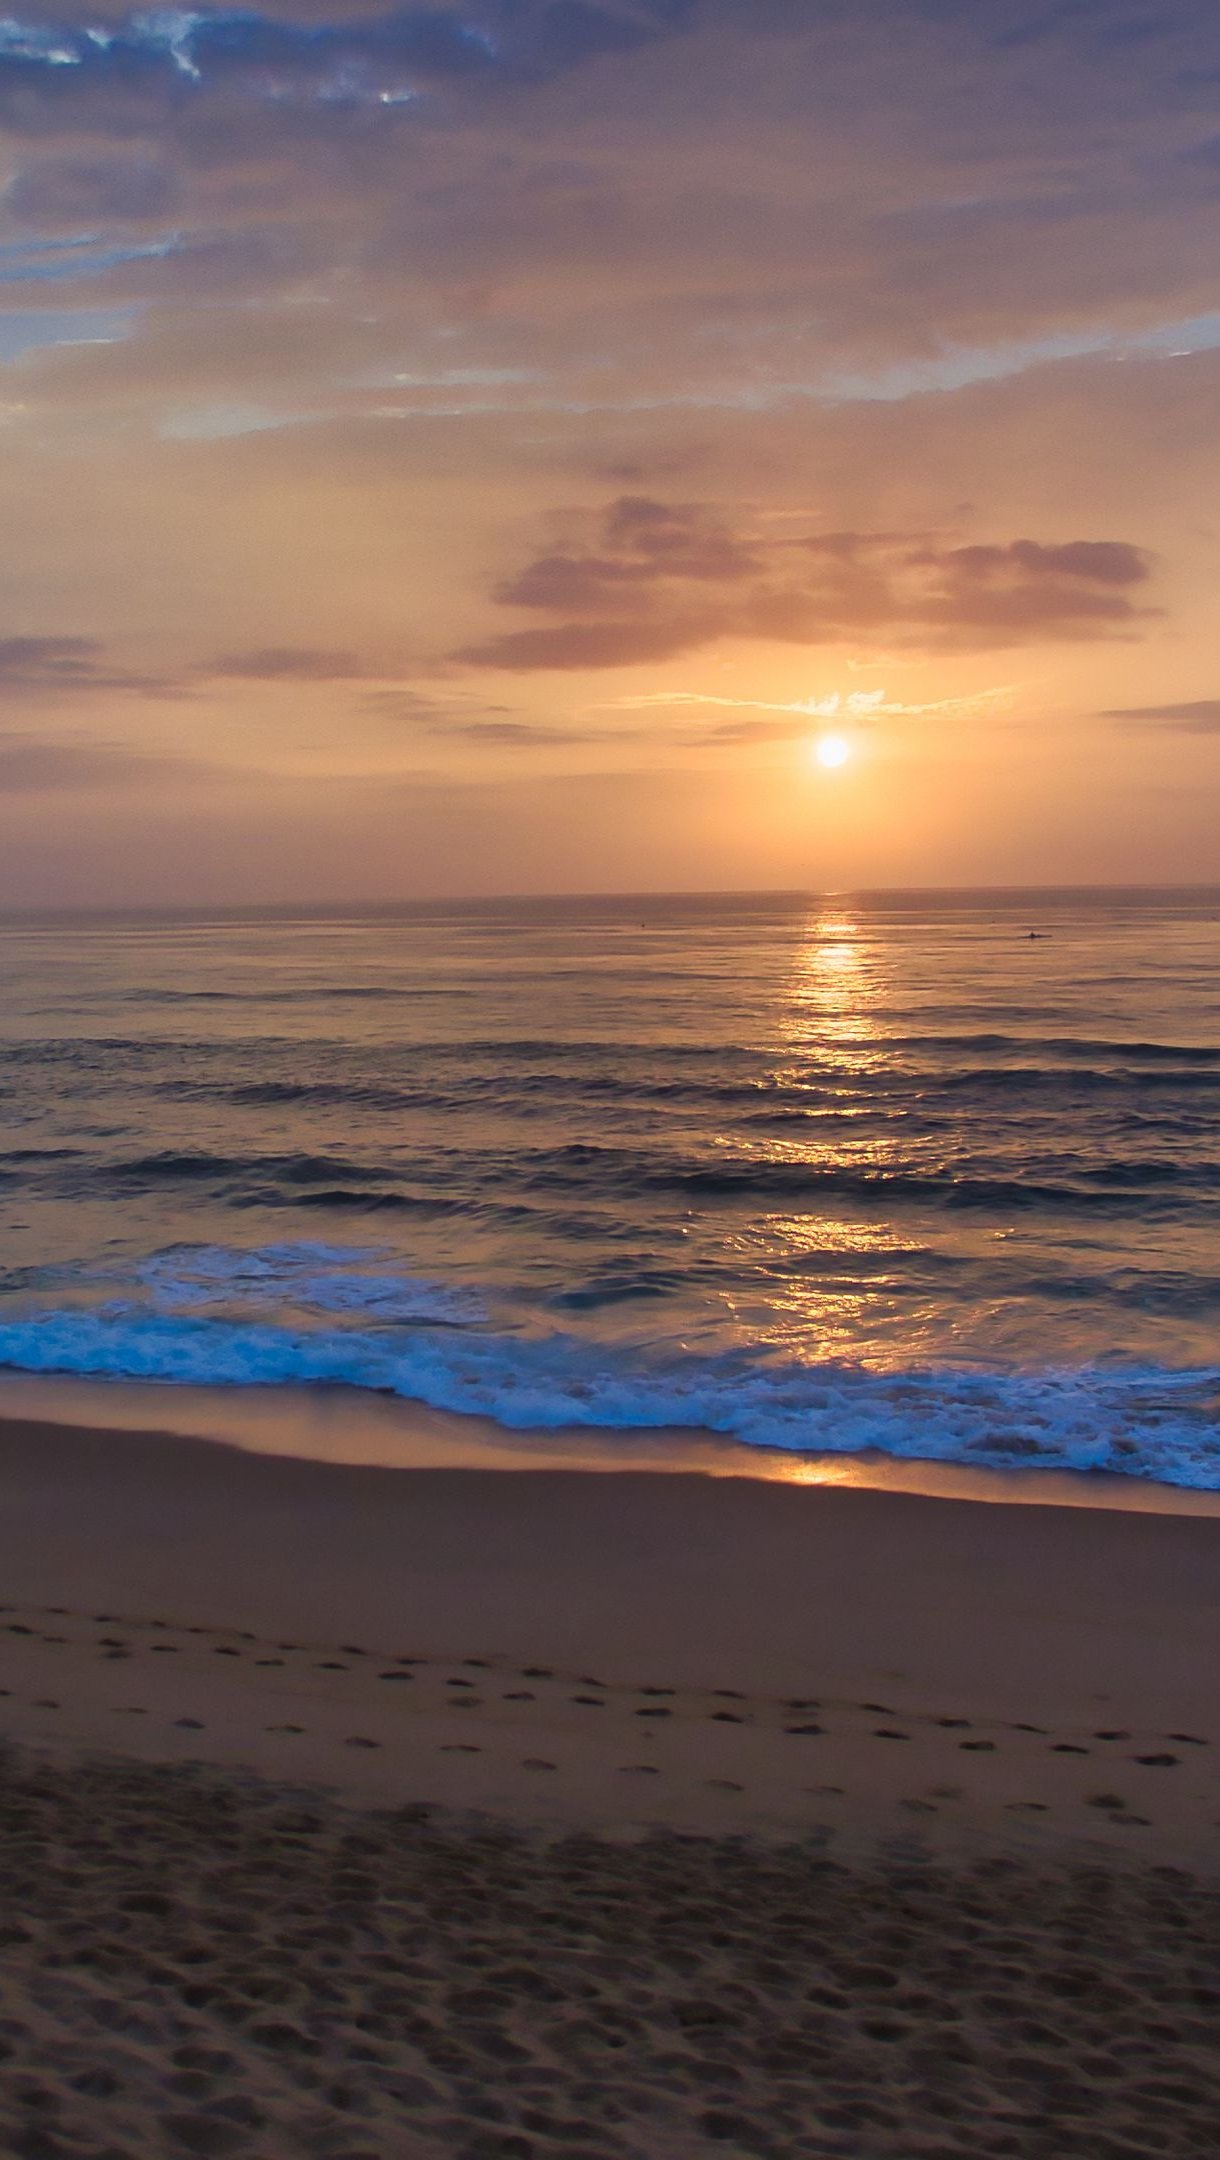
537,1672
396,1676
1112,1734
520,1695
170,1649
654,1713
978,1747
1027,1807
1067,1747
638,1769
808,1732
726,1717
285,1728
953,1724
45,1703
268,1660
1189,1739
589,1702
537,1762
190,1724
887,1732
358,1740
1158,1762
460,1747
656,1691
724,1784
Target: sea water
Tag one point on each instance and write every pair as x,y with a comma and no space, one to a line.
935,1174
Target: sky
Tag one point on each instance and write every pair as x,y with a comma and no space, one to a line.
490,448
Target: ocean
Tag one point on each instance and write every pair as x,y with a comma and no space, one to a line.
931,1174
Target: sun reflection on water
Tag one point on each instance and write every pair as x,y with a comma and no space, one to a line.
833,1273
836,993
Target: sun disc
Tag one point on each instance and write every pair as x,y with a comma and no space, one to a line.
832,751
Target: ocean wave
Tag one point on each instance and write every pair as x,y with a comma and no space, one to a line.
1075,1046
1078,1184
1144,1422
305,1275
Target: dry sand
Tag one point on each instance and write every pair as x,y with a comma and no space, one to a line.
380,1813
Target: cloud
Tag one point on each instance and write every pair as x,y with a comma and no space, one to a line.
290,663
153,63
493,726
1197,716
639,591
793,718
517,734
71,666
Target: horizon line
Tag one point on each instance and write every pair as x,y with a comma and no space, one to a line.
167,910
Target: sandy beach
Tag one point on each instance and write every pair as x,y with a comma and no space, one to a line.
419,1812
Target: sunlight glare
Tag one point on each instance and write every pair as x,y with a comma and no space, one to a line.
832,751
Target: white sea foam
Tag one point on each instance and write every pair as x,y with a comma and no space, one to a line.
1142,1421
301,1277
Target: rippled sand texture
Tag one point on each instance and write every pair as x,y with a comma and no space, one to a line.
197,1966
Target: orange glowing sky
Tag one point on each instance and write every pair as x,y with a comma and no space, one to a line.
486,448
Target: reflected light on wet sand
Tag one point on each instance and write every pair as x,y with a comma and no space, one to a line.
345,1428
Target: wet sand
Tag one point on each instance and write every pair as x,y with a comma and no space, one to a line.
353,1811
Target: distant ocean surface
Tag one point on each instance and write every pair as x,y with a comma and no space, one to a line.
826,1175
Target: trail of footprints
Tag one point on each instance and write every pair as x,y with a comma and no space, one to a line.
417,1683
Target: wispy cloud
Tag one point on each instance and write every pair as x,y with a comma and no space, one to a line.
859,705
1196,716
72,667
291,663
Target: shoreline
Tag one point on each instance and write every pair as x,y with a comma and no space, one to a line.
404,1813
364,1429
748,1637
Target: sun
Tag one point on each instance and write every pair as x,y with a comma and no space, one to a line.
831,751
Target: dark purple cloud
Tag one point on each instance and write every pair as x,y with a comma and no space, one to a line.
644,594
